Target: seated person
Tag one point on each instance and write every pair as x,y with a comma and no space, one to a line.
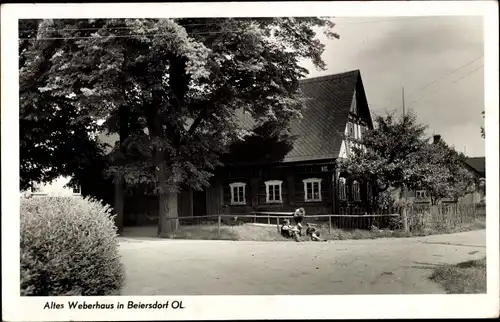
286,229
299,215
299,229
312,232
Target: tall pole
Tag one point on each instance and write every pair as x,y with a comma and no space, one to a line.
403,188
403,99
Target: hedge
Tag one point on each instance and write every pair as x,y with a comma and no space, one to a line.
69,246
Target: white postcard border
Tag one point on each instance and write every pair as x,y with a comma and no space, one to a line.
15,308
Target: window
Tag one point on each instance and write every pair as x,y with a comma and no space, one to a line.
37,189
77,190
273,191
312,189
356,196
368,191
238,196
342,189
350,129
354,106
421,194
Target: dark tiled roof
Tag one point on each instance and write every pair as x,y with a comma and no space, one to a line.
478,164
328,101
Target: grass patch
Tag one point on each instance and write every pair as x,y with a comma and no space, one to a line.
250,232
463,278
204,232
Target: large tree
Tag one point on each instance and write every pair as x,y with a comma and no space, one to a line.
172,88
56,137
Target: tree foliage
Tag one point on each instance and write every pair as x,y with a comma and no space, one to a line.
389,153
56,137
170,87
265,144
443,173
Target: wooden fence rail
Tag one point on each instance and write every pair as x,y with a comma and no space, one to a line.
412,218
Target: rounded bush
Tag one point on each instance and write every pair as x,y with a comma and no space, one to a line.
69,246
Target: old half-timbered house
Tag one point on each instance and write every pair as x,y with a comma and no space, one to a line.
336,107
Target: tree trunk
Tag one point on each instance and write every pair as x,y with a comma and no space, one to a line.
118,204
119,197
168,213
168,221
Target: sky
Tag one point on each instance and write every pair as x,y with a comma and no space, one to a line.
437,60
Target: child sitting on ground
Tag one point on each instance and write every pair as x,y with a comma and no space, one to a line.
286,229
312,232
289,231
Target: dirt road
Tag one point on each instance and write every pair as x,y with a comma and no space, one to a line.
378,266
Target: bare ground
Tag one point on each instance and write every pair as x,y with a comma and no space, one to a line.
374,266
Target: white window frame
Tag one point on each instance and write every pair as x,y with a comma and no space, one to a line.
350,125
274,183
77,193
312,181
236,186
342,188
356,191
421,194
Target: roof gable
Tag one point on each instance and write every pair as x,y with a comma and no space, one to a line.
328,103
477,164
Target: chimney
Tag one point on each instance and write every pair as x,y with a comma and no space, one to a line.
437,138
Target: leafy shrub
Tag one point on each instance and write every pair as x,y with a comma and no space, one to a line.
69,246
385,200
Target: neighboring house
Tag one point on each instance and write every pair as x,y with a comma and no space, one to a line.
475,165
56,188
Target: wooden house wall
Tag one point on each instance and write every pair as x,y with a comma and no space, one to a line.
292,189
140,210
185,204
215,198
143,209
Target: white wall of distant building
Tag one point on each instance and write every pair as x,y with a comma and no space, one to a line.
56,188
